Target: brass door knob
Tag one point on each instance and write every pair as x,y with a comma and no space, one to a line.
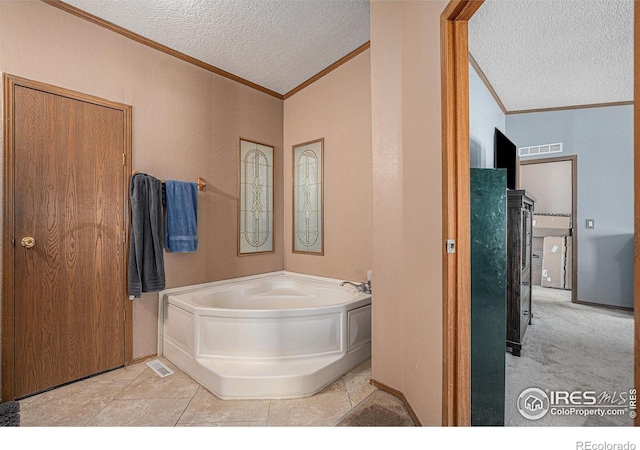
28,242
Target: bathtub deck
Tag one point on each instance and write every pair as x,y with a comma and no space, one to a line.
281,369
233,379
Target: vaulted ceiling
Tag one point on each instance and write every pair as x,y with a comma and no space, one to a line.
277,44
534,53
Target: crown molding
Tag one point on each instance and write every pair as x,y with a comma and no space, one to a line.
567,108
157,46
169,51
329,69
487,84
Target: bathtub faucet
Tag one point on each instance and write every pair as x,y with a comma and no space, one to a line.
364,287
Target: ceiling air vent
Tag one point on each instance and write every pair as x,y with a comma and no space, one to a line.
540,149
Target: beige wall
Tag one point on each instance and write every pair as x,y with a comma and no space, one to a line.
337,108
407,202
550,184
186,123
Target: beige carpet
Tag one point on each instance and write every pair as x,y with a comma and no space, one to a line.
571,347
379,409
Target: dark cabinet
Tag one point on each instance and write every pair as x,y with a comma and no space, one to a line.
519,241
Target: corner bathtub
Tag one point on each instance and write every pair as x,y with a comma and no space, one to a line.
276,335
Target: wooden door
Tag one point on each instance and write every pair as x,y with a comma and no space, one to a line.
68,196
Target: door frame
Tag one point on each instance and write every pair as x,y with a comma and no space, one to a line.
456,401
8,240
456,221
573,159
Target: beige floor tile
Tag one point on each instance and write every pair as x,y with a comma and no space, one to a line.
126,373
207,408
336,386
140,413
320,410
364,368
224,424
357,383
148,385
26,401
136,396
72,405
358,391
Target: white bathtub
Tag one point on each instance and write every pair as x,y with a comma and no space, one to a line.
276,335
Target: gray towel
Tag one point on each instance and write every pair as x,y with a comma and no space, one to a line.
146,257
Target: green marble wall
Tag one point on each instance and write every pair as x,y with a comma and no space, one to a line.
488,295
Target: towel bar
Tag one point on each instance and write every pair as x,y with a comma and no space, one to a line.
201,182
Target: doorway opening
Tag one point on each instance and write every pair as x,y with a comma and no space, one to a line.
554,183
456,221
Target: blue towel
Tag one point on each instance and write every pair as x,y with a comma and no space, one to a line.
181,227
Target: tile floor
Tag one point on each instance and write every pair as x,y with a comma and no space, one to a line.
135,396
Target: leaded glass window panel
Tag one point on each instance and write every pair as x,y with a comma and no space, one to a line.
255,219
308,233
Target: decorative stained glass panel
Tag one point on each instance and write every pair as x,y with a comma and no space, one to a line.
308,234
255,218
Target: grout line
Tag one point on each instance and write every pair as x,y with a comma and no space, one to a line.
86,424
370,394
130,383
363,400
188,403
115,397
348,393
266,420
352,409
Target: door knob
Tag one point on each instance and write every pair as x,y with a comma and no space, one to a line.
28,242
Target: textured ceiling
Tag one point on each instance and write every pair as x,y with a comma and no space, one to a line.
277,44
555,53
535,53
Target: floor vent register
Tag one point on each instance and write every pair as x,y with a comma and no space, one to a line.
159,368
